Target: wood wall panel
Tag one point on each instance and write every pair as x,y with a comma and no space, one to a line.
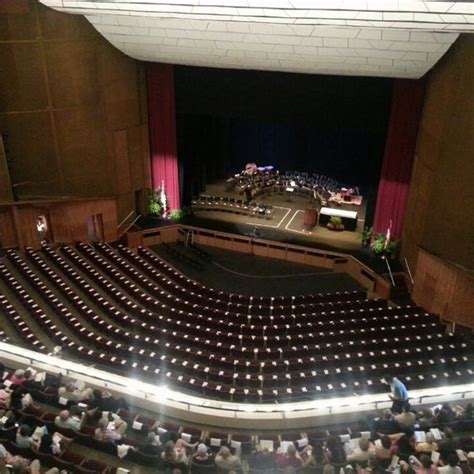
7,229
65,92
124,184
439,212
444,289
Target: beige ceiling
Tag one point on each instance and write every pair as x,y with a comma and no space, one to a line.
392,38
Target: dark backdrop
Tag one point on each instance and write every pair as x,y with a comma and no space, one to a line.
335,125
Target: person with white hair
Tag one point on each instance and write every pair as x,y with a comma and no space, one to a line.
202,458
69,420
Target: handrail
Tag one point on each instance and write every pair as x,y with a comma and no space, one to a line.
389,271
409,271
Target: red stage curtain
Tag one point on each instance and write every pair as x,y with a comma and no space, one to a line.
162,128
400,147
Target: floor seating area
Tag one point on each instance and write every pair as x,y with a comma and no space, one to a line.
133,312
246,445
235,206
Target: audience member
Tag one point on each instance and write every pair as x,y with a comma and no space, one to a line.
18,463
23,437
420,466
18,377
448,445
151,445
334,452
363,453
72,393
262,460
425,419
445,414
202,458
452,466
406,419
174,453
405,446
48,445
386,424
227,462
110,430
289,459
428,445
7,419
67,420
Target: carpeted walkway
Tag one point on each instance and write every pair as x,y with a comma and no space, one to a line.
259,276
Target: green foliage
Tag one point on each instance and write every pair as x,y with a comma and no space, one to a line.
393,248
176,214
154,203
335,221
378,244
367,234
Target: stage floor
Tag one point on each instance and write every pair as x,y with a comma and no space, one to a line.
287,219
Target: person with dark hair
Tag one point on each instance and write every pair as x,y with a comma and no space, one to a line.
448,445
262,460
405,447
452,465
49,446
420,466
334,452
23,437
399,393
445,414
387,424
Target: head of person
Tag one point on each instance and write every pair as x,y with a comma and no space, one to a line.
70,387
453,460
349,469
28,374
224,452
102,424
20,374
429,437
425,461
97,394
386,442
25,430
364,444
151,439
328,469
291,451
387,414
448,432
64,415
169,449
201,450
406,407
333,443
46,442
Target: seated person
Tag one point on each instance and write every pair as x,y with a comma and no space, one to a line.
110,429
406,419
428,445
445,414
55,445
70,419
289,460
18,377
387,424
226,461
201,458
262,460
104,401
175,453
334,451
18,463
151,445
405,446
421,466
7,419
447,445
452,466
425,418
23,437
363,453
71,392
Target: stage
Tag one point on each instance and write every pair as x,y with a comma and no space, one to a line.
287,221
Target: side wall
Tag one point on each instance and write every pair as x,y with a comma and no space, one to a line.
71,109
440,208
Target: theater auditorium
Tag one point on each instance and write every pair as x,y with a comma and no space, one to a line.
236,236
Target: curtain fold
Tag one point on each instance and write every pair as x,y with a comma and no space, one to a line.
400,147
162,131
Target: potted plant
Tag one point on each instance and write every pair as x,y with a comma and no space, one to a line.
393,249
154,204
366,235
378,244
176,214
335,223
